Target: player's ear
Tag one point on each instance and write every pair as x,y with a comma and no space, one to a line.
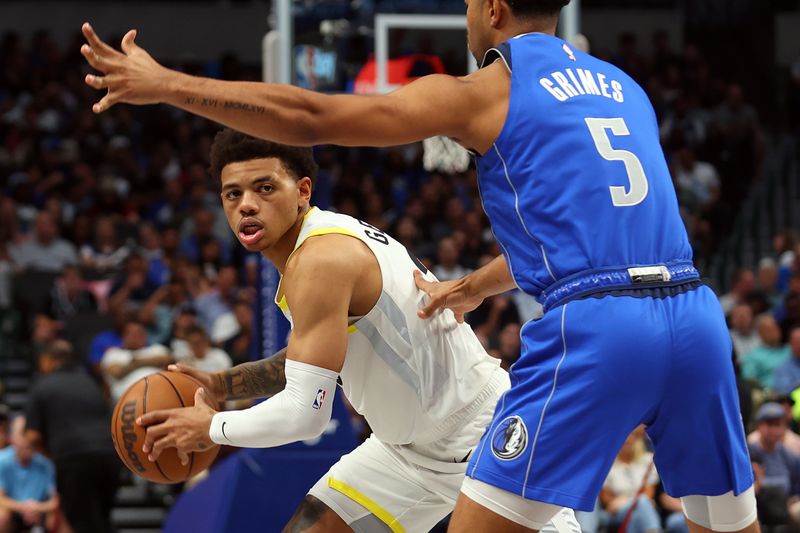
497,9
304,189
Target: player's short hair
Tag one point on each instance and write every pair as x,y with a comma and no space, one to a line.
231,146
536,8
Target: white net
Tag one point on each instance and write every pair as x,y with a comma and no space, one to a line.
441,154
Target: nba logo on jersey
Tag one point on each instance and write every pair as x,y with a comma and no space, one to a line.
510,438
320,398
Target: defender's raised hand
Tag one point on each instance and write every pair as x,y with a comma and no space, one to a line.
131,76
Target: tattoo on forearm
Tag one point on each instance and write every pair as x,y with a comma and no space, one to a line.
225,104
256,379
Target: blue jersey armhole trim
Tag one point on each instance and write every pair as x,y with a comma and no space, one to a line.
501,51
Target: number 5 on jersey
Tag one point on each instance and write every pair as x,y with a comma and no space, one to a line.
638,181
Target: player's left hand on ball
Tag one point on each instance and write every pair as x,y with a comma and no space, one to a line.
185,429
131,76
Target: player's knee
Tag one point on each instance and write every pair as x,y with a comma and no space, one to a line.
726,513
314,516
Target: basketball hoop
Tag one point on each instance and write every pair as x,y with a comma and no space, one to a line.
441,154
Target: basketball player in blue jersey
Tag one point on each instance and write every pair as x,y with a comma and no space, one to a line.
580,199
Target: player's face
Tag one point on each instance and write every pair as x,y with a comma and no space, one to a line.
477,39
262,201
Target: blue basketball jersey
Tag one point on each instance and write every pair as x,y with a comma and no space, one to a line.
577,179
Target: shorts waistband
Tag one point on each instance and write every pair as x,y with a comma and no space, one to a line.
590,282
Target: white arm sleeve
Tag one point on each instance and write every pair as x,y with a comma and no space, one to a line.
300,411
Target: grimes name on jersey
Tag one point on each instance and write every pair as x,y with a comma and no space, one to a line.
569,84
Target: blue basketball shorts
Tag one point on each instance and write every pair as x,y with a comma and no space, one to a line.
590,372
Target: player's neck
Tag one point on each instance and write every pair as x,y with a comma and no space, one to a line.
279,253
522,27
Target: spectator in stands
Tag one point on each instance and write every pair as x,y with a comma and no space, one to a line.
28,497
70,296
105,253
492,316
672,513
45,331
215,314
135,359
698,181
631,471
787,376
108,338
790,440
133,287
202,231
508,345
788,314
44,250
761,362
68,416
779,492
239,347
743,283
767,281
159,311
5,413
448,267
6,273
150,247
743,333
196,351
683,126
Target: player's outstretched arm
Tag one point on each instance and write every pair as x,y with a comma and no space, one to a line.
465,294
432,105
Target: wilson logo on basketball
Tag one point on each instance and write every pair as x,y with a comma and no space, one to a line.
129,435
318,401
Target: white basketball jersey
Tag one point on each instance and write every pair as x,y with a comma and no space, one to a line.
414,380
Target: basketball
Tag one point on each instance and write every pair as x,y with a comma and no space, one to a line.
164,390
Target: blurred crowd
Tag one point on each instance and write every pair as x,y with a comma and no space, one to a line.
112,237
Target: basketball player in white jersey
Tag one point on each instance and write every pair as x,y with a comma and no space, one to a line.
426,387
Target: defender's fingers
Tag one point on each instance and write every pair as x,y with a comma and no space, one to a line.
128,44
95,41
431,308
96,82
94,59
422,283
106,102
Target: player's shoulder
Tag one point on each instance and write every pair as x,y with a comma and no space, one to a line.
324,256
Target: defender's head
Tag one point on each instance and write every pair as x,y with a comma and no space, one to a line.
490,22
266,186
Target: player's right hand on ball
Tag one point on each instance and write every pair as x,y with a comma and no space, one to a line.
131,76
211,382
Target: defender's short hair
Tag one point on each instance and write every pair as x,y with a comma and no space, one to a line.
231,146
534,8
